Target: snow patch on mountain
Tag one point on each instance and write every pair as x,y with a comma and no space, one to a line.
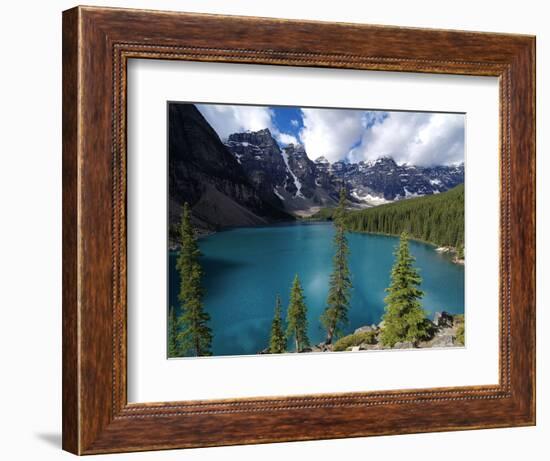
369,199
409,194
276,192
297,182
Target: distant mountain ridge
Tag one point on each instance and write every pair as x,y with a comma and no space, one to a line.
302,183
383,180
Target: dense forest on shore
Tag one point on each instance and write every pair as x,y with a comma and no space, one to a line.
438,218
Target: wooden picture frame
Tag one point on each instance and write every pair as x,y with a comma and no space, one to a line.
97,43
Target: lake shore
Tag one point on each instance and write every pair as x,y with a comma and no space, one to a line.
445,330
203,233
449,250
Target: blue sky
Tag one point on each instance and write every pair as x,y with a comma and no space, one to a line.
288,120
417,138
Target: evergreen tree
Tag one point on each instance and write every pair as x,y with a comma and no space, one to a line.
195,337
437,218
335,315
460,335
404,319
297,317
460,252
277,341
173,346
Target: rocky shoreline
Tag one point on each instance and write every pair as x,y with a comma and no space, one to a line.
446,330
453,251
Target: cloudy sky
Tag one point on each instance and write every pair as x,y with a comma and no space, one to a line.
417,138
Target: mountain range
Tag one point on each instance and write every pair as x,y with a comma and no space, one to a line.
249,179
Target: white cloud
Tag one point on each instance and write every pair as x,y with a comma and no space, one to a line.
415,138
294,122
331,132
227,119
285,138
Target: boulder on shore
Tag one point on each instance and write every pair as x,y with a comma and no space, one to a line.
366,329
403,345
443,320
443,340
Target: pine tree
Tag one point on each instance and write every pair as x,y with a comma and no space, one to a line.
437,218
460,335
404,319
277,341
297,317
460,252
173,346
195,337
335,315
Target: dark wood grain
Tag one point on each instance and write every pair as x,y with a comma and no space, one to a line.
97,42
70,384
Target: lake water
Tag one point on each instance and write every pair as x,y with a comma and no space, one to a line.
245,268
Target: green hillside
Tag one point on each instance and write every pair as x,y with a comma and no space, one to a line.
437,219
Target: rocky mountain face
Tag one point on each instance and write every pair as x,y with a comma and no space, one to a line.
383,180
260,157
285,174
302,184
205,174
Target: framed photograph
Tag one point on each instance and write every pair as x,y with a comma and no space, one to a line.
280,230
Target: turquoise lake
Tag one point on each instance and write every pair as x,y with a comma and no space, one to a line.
245,268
